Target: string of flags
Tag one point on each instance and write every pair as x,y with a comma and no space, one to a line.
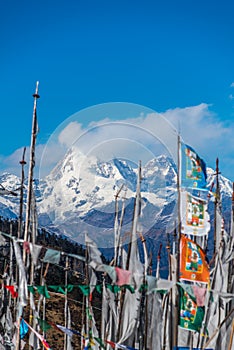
45,326
194,222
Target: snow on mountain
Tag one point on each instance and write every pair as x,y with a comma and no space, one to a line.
9,205
78,196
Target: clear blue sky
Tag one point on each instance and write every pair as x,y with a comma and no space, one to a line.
160,54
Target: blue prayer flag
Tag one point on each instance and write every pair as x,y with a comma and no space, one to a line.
23,329
193,169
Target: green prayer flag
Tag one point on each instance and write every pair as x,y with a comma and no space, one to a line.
130,288
84,289
43,324
191,315
69,287
43,290
99,288
58,289
143,288
113,288
31,289
61,288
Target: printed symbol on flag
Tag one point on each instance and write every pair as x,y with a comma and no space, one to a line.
195,211
188,312
193,261
193,169
193,265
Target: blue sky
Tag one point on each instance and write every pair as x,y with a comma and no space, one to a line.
171,56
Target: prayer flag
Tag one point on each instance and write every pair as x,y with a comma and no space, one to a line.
200,295
23,329
193,169
26,247
187,348
85,289
68,331
43,291
39,336
45,326
196,292
52,256
195,218
191,315
123,276
12,291
22,287
193,266
35,252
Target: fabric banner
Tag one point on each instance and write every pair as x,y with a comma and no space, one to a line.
186,348
193,266
23,329
123,276
193,169
194,215
12,290
52,256
191,315
196,292
40,337
22,287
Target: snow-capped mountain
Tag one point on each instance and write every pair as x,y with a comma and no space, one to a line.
78,196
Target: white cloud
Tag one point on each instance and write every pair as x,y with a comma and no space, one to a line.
232,84
141,137
231,96
70,133
203,130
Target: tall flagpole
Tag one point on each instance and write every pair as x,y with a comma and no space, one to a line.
216,205
232,216
31,167
176,298
22,162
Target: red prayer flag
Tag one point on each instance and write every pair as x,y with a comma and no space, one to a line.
26,247
12,291
200,295
111,343
123,276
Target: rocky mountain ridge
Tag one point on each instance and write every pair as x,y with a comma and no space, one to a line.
78,196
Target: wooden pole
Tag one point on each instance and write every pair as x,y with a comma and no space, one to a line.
232,216
65,304
176,306
216,204
230,346
20,220
31,168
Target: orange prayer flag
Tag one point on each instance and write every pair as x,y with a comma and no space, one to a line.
193,265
